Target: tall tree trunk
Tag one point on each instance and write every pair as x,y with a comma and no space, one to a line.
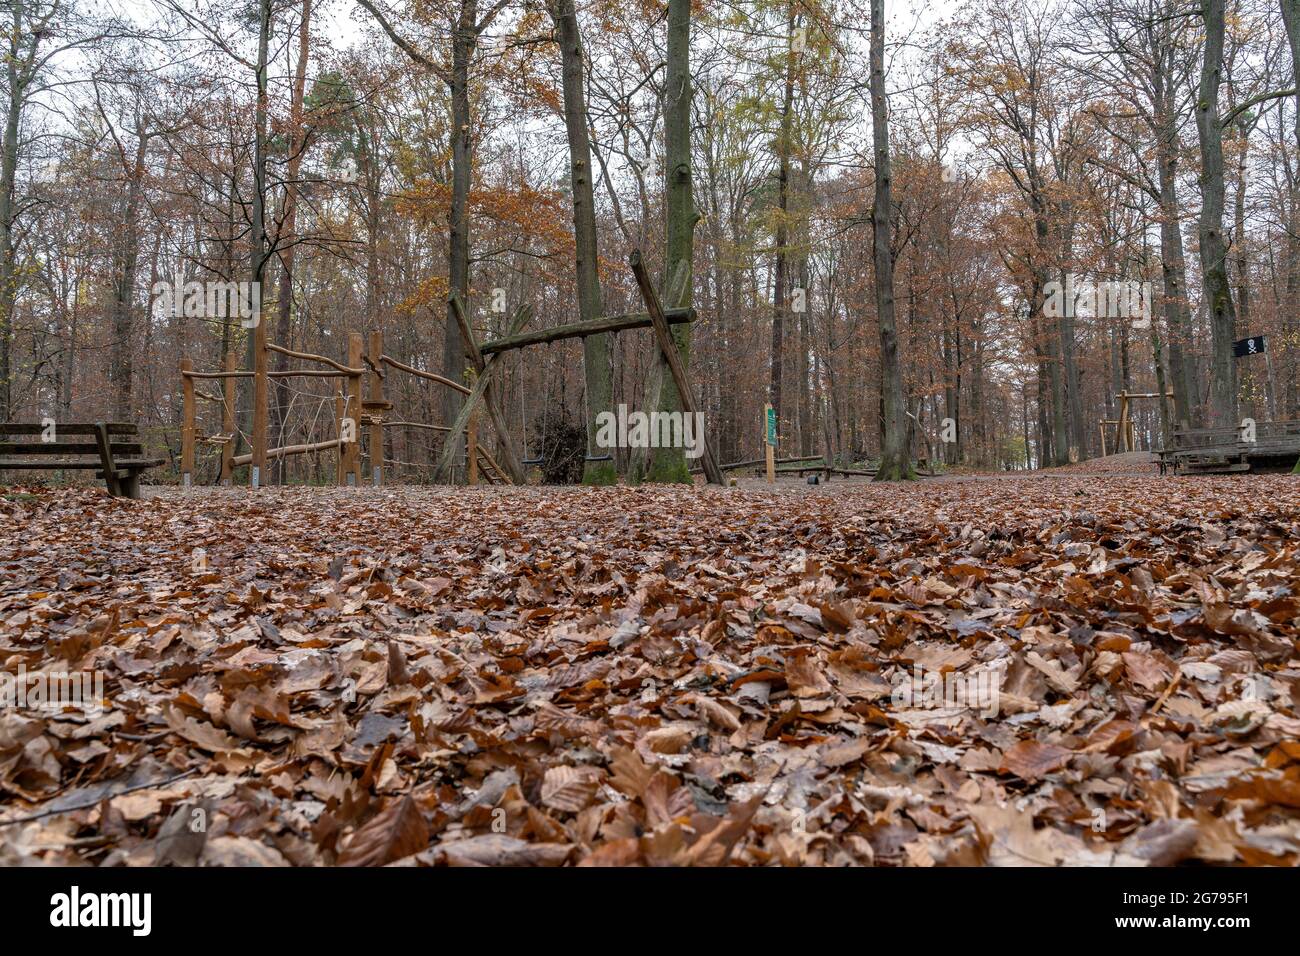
669,464
595,348
1241,262
121,367
1173,263
1076,442
1291,19
949,345
17,81
894,461
1214,251
464,40
68,364
258,228
780,279
284,297
1052,336
807,384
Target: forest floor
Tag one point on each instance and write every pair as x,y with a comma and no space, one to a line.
659,675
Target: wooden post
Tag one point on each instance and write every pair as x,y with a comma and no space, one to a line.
338,430
471,449
669,349
769,441
490,369
228,418
261,414
491,399
376,412
1122,430
356,348
187,424
106,462
1102,428
471,431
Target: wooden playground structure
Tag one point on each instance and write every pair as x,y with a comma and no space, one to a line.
367,360
1265,446
353,412
1249,446
1125,431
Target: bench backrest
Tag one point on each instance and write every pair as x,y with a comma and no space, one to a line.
49,439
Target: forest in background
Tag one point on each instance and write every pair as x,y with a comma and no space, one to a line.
400,153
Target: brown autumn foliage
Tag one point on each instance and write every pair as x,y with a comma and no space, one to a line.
658,676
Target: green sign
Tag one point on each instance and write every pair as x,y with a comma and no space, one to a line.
771,426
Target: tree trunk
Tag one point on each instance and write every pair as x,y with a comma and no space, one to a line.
464,40
894,461
284,297
1173,263
8,173
807,381
595,348
780,279
1217,289
1291,19
120,371
258,226
669,464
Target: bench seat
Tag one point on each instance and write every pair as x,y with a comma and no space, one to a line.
114,454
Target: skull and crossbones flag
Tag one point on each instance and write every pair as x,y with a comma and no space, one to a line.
1251,346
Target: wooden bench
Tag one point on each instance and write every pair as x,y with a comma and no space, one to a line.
113,450
1225,449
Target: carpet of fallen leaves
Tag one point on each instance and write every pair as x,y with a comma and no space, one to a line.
658,675
1125,463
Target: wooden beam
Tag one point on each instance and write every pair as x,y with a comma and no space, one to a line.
490,369
471,450
356,348
1124,429
291,450
312,357
675,293
340,413
674,359
228,419
187,424
434,428
491,463
236,374
769,449
257,473
580,330
420,373
106,462
492,399
308,373
376,395
755,462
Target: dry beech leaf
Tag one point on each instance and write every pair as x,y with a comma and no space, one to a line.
570,789
398,830
1031,760
497,849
